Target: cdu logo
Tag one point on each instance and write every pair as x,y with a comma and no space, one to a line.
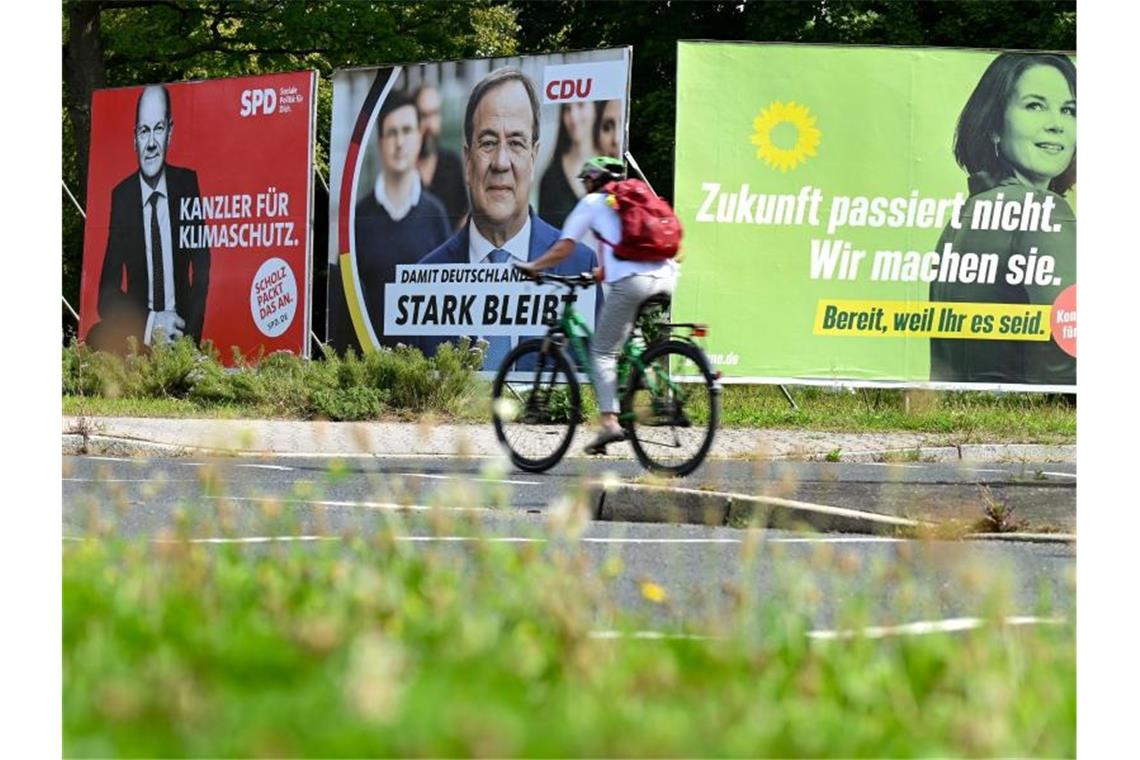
576,82
569,89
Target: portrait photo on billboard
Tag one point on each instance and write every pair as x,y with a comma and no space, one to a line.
442,174
1016,141
199,215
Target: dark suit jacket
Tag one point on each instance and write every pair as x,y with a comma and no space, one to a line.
542,236
123,311
450,187
382,245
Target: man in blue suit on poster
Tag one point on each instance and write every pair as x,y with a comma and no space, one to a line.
501,144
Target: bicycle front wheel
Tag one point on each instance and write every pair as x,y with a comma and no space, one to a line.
535,405
671,408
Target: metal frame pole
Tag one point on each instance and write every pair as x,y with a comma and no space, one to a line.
69,308
72,197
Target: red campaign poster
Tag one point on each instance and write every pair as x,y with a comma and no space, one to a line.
199,209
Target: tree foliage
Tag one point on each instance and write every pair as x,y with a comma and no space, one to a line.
109,43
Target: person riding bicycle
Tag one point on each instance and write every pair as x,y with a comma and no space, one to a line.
627,285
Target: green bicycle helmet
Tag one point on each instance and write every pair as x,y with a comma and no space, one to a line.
602,169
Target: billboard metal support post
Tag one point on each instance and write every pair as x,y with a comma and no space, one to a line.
73,313
636,168
313,335
70,195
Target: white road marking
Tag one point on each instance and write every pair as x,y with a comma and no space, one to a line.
251,540
654,635
516,539
435,476
426,476
362,504
1060,474
923,627
130,480
837,540
110,459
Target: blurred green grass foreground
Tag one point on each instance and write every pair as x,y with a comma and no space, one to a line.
375,645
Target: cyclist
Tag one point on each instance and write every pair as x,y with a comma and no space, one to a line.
627,285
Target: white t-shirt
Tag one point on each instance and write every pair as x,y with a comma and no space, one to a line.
593,214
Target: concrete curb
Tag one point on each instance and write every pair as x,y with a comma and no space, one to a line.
653,503
627,502
968,452
385,438
1018,452
101,445
111,445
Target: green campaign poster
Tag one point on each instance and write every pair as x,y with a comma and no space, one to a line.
879,216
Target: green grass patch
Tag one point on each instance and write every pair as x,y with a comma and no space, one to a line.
369,646
178,381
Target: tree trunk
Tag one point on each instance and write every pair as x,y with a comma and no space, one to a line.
83,72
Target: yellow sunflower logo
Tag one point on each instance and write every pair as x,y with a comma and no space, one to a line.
775,116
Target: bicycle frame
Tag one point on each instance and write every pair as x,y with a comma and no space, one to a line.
578,334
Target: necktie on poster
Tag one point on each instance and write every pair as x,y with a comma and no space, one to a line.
498,345
156,254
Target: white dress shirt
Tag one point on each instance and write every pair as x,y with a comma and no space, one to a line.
479,247
162,207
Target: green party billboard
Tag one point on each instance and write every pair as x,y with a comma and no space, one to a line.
879,216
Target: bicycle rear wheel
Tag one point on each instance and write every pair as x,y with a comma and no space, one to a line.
671,424
535,405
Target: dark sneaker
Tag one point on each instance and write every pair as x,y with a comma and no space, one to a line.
604,438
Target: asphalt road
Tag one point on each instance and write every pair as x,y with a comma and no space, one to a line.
447,504
1043,495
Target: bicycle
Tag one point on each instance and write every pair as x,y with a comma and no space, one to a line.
537,401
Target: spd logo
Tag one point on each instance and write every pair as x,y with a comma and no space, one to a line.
254,101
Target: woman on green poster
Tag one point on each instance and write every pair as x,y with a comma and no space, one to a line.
1016,135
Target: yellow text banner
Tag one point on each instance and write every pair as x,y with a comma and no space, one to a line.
933,319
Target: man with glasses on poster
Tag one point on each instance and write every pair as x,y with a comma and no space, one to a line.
440,168
164,296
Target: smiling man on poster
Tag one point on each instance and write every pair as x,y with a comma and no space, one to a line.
151,286
501,142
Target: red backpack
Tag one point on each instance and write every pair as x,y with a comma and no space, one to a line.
650,231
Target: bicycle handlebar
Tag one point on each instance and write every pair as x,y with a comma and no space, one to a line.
582,280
